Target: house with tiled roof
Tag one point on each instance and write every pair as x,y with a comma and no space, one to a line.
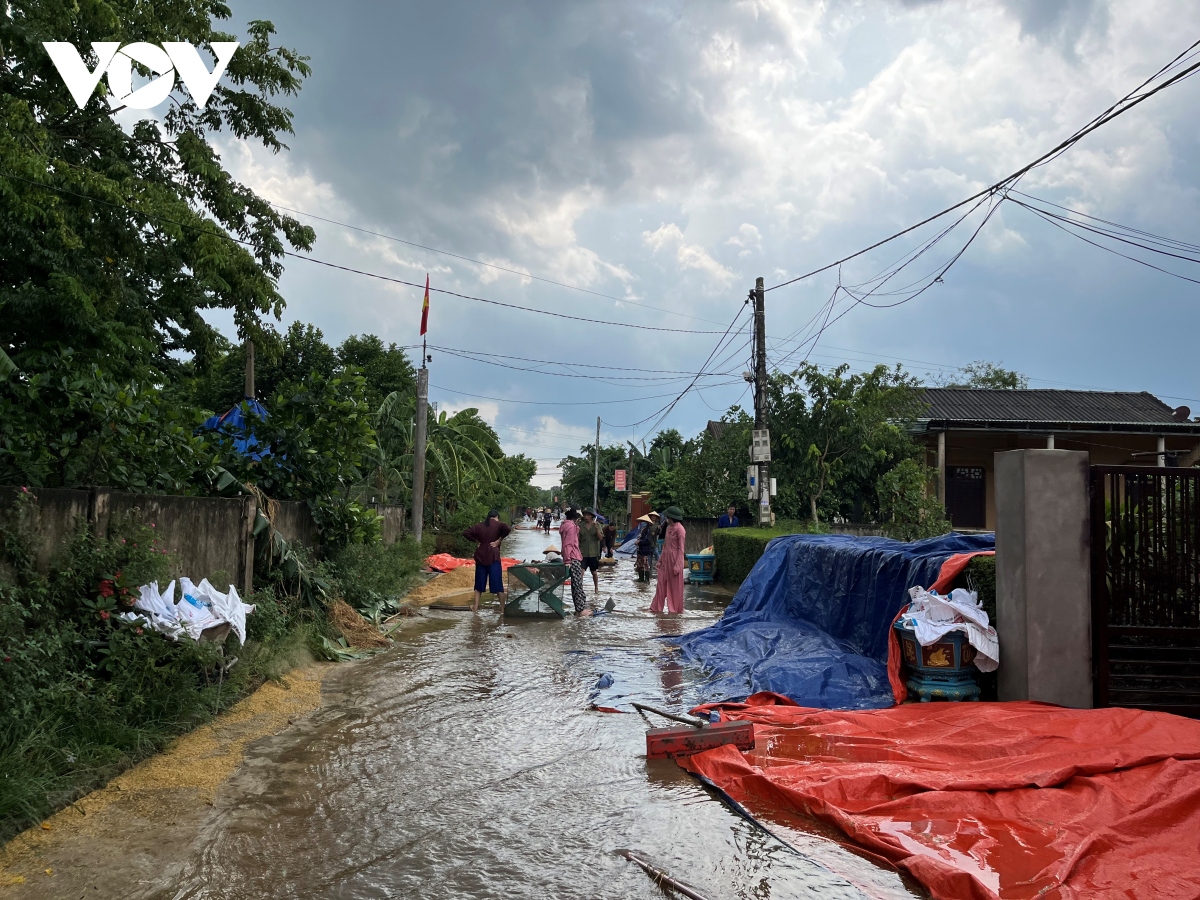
963,429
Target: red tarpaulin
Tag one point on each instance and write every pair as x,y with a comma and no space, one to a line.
986,800
444,562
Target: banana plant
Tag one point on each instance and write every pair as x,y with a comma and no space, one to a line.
460,454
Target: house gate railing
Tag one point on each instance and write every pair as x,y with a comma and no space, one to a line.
1146,588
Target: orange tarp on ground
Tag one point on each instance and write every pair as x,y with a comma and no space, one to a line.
444,562
986,800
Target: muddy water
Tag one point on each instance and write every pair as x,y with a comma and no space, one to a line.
466,763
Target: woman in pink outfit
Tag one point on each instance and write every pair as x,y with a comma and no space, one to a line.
671,565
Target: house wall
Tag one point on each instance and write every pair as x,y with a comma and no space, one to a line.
978,448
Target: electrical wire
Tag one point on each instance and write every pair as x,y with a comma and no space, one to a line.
670,406
350,269
1141,262
1126,103
604,379
479,262
564,402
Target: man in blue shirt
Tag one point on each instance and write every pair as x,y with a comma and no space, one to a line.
729,520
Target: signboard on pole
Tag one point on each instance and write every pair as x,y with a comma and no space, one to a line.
619,479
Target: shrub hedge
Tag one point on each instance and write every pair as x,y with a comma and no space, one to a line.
738,549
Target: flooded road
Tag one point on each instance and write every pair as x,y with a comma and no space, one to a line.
466,763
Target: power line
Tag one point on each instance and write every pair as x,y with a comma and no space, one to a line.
363,272
670,406
1126,103
479,262
1061,222
563,402
605,379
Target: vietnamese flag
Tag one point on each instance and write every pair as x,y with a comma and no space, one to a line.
425,308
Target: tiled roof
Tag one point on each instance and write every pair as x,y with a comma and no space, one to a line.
996,407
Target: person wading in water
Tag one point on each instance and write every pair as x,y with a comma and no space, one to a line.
646,541
671,564
568,533
488,534
591,538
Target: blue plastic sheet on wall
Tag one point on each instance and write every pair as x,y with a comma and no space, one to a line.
235,425
811,619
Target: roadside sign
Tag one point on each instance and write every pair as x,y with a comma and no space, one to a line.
619,479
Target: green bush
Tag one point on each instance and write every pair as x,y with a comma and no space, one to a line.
373,577
980,576
738,549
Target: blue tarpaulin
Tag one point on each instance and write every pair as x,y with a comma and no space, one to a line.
811,619
235,425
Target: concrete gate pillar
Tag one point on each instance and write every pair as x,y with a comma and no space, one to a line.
1043,576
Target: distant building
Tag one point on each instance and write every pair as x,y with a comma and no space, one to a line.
963,428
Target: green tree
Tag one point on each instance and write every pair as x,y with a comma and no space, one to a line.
71,423
983,374
387,369
908,511
579,473
833,434
115,243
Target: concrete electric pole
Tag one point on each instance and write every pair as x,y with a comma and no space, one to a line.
760,451
420,427
596,475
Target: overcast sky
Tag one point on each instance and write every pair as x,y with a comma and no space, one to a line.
670,152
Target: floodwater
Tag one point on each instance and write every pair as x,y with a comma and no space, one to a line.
467,763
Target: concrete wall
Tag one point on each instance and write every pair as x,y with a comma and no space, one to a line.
209,537
1043,576
294,521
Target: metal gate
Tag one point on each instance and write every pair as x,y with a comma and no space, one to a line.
1146,588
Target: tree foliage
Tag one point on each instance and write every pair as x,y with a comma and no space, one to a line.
983,374
114,243
834,434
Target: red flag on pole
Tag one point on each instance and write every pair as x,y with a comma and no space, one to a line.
425,308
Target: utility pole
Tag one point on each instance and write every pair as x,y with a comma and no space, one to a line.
249,369
629,486
758,457
596,475
421,425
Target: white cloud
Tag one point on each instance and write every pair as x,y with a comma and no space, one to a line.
689,256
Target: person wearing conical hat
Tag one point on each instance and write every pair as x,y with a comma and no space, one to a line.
671,565
647,537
